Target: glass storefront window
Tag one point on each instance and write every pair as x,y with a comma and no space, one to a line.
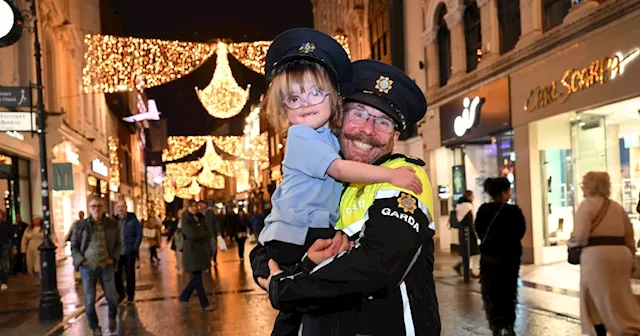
570,145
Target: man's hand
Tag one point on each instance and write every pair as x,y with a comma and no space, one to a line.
405,177
323,249
273,270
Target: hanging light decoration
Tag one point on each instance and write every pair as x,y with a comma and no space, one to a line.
223,98
210,180
181,173
184,193
194,188
168,190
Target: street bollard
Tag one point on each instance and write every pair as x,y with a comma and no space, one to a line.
464,251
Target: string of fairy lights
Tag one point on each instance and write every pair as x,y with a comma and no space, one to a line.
116,64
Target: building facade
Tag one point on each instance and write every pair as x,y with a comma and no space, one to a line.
538,91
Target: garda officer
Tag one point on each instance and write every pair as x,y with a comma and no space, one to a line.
384,284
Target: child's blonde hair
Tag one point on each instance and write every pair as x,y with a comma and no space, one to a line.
295,73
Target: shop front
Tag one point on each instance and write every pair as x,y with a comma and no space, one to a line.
476,143
574,111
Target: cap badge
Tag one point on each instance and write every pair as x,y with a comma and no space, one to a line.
307,48
407,203
384,84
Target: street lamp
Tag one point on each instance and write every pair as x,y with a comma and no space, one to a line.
11,23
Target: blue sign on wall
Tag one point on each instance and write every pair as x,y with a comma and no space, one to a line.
62,176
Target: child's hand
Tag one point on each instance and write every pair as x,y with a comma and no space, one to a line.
405,177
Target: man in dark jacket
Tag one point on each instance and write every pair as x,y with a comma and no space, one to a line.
131,237
20,265
210,221
96,247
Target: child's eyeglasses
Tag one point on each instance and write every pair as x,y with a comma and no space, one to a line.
312,98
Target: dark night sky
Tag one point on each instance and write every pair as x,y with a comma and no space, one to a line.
201,21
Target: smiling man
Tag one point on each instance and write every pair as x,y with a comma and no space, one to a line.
383,285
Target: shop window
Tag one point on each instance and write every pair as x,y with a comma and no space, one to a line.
444,47
379,33
473,34
554,12
509,23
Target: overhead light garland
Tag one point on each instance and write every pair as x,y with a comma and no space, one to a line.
210,180
181,146
184,193
223,98
181,173
168,190
213,161
124,63
194,188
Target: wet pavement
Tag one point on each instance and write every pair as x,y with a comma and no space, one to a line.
242,308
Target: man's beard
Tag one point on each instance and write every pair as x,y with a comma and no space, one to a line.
384,148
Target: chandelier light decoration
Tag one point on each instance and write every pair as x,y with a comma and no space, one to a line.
125,63
184,193
168,190
254,149
223,98
210,180
181,173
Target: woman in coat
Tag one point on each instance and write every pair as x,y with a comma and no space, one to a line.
501,226
177,242
31,240
606,262
196,254
153,238
466,214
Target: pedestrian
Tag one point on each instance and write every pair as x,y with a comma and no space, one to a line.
31,240
603,229
384,284
304,71
196,255
67,238
465,215
6,237
20,265
153,238
242,232
501,227
256,220
210,220
96,247
177,243
130,236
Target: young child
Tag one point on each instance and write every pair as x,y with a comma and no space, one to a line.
304,69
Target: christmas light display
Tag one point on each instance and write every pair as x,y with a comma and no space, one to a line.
114,164
181,146
223,98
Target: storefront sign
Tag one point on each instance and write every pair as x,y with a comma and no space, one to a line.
575,80
99,167
62,176
469,116
15,135
15,96
443,192
17,121
477,114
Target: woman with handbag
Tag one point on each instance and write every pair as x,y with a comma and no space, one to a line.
602,243
501,227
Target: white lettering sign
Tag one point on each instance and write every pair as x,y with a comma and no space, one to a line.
99,167
409,219
17,121
15,135
469,115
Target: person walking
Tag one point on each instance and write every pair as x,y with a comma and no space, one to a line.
31,240
20,265
6,237
96,248
196,255
242,232
465,215
177,243
603,229
501,227
131,237
212,226
67,238
153,238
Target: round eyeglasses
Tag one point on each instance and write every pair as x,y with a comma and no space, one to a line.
312,98
380,123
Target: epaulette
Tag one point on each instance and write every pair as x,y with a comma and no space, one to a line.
411,159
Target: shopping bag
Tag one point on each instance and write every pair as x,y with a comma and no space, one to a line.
222,246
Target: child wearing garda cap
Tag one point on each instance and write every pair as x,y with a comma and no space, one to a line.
306,70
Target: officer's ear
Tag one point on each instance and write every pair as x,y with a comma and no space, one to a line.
396,136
